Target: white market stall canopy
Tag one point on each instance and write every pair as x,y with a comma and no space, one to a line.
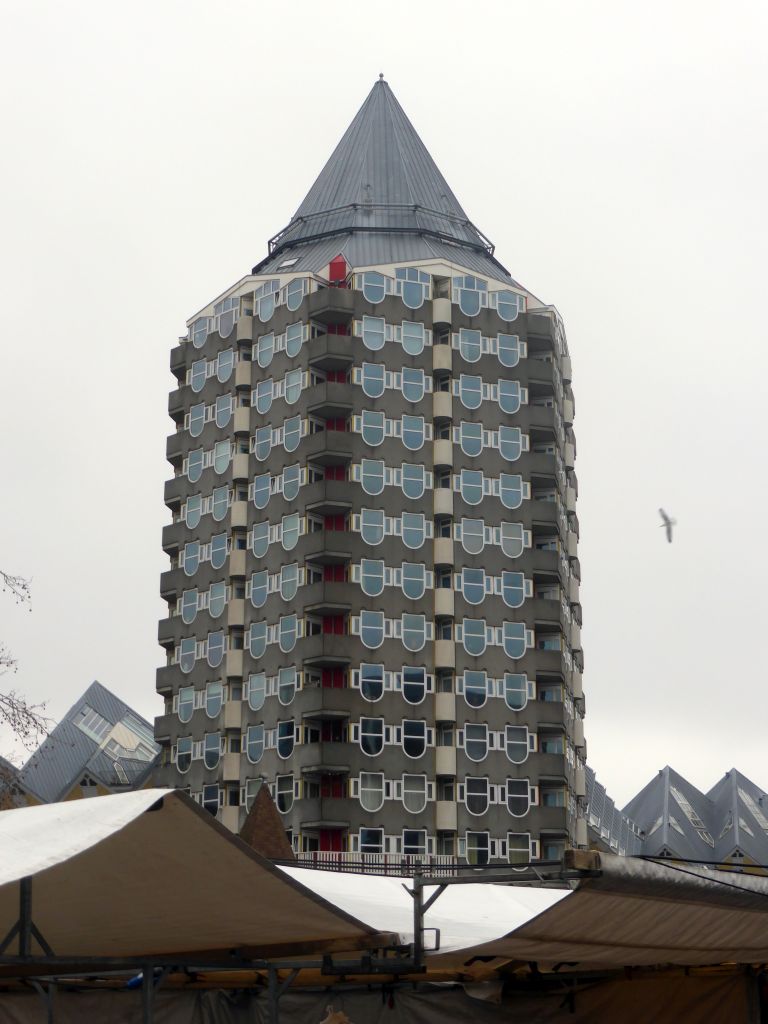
150,873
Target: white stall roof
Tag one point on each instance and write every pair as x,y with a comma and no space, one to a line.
466,914
151,873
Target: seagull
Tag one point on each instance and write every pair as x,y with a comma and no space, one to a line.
668,523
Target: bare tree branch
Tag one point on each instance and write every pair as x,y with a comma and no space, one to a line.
17,586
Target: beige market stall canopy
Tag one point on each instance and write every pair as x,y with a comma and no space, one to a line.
149,874
638,913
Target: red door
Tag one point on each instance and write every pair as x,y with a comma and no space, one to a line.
331,840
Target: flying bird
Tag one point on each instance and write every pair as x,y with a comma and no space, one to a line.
667,523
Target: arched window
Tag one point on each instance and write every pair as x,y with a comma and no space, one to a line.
191,557
413,577
413,480
265,302
510,443
508,304
414,432
477,795
197,375
371,682
193,511
413,383
470,345
198,332
254,743
214,699
372,736
372,475
289,581
372,525
195,465
518,797
515,690
511,490
284,793
509,349
519,848
186,703
372,576
513,588
471,438
262,396
220,503
257,690
374,332
514,639
509,396
292,386
473,535
219,550
413,631
468,291
412,285
475,688
265,350
373,377
222,452
414,529
211,749
286,735
517,743
223,410
216,648
470,391
291,481
262,489
287,633
371,791
189,606
372,629
512,539
183,754
294,293
262,443
286,684
257,639
372,427
225,364
414,684
260,539
217,598
413,338
473,585
289,534
196,419
374,286
473,636
472,485
292,433
476,741
414,738
414,793
294,338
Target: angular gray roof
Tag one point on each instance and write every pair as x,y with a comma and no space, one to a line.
68,753
381,183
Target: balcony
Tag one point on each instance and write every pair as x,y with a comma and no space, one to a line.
445,654
230,768
164,678
331,305
445,815
568,411
242,420
234,665
578,732
236,612
580,783
240,466
443,551
566,368
444,602
572,544
179,361
445,761
327,497
569,455
330,399
237,563
329,649
443,501
239,515
175,446
176,404
576,685
244,329
445,709
243,373
167,630
379,863
442,405
323,703
232,715
230,816
443,453
441,312
164,725
442,359
331,351
328,446
173,491
570,499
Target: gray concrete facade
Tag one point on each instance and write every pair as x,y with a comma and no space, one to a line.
333,596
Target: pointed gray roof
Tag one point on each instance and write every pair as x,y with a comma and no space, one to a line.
381,181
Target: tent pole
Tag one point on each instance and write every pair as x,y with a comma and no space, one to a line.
25,916
276,989
147,994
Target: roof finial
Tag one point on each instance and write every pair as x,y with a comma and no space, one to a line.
381,76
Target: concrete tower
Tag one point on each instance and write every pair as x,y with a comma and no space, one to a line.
373,591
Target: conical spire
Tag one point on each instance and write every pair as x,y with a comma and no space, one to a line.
380,179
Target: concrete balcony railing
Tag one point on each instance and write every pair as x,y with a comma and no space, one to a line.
442,404
244,329
445,654
445,760
232,715
443,501
443,553
445,815
240,466
239,514
236,612
230,768
443,453
243,374
442,358
445,708
441,312
237,563
242,420
444,602
230,816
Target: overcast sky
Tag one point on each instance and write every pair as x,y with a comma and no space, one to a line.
615,153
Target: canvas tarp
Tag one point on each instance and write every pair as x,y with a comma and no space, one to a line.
151,873
636,913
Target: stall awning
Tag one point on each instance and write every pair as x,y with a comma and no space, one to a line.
150,873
